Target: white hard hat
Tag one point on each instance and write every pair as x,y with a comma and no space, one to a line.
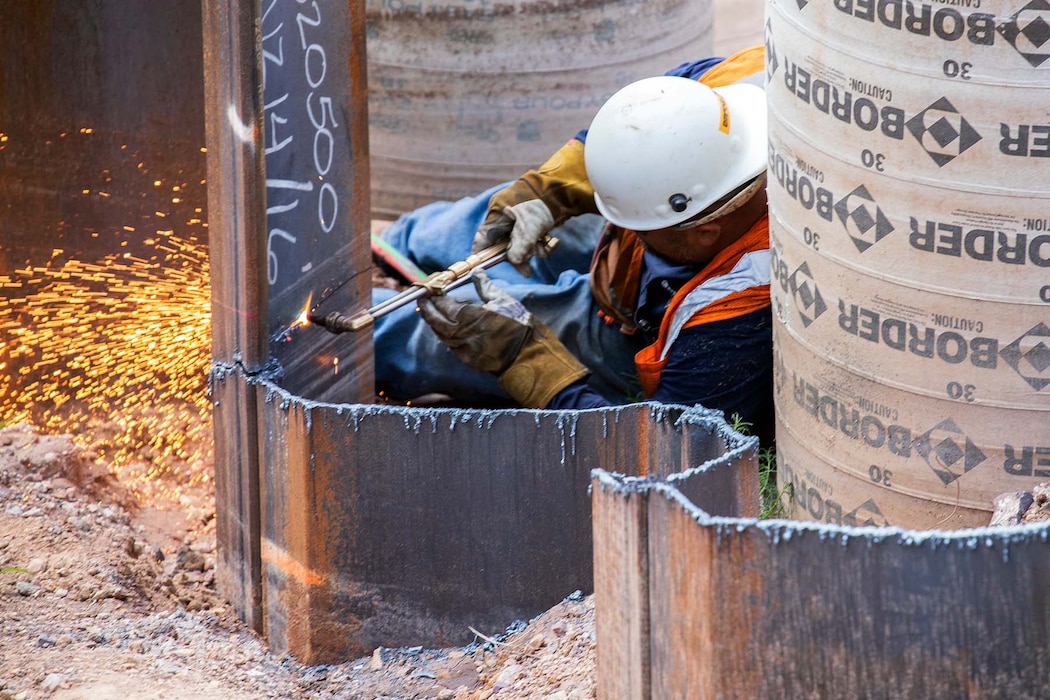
661,150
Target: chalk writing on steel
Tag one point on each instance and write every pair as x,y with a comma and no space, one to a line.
308,169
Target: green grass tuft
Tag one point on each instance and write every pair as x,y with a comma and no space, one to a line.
737,423
772,500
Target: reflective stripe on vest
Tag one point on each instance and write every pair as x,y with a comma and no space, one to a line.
752,270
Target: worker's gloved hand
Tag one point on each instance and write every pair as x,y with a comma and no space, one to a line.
525,224
525,211
501,337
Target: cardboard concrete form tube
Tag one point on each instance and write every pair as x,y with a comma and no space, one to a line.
814,488
934,346
952,453
980,42
738,24
891,116
987,247
528,36
465,95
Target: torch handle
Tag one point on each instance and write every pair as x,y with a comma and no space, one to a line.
435,284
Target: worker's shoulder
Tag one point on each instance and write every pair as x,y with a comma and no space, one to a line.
736,68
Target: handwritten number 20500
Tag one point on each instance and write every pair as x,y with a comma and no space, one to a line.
321,114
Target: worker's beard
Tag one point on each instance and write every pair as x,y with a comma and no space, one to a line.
696,246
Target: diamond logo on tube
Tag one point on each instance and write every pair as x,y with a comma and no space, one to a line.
1029,355
1028,31
771,53
867,513
948,452
942,131
864,226
804,290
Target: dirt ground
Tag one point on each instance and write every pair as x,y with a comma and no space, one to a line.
107,590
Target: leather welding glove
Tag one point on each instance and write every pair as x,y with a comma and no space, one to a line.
501,337
539,200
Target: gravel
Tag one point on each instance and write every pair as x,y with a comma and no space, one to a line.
107,590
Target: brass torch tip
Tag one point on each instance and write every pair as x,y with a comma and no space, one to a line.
330,322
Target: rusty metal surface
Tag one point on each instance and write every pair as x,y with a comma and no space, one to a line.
288,185
742,608
390,526
236,181
621,583
97,97
317,254
238,565
233,105
316,151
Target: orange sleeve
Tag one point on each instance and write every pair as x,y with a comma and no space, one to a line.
736,67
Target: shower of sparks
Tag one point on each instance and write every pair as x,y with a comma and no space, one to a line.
116,353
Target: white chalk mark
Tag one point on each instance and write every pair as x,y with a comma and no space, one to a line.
290,184
244,132
282,208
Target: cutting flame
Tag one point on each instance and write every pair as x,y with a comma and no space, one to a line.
303,318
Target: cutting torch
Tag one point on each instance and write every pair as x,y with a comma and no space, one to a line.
435,284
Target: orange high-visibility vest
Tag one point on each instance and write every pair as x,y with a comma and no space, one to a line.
734,283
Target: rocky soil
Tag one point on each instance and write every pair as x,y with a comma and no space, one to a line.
107,590
1022,507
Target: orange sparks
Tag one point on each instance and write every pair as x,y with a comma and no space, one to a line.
132,338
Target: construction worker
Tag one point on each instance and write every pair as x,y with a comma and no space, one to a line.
659,288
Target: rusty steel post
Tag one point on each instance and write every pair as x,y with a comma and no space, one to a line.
317,238
317,259
236,181
621,584
697,604
288,186
237,200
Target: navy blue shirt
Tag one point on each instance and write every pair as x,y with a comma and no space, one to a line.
726,365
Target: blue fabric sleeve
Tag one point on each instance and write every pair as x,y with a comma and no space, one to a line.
689,69
578,396
725,365
695,69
